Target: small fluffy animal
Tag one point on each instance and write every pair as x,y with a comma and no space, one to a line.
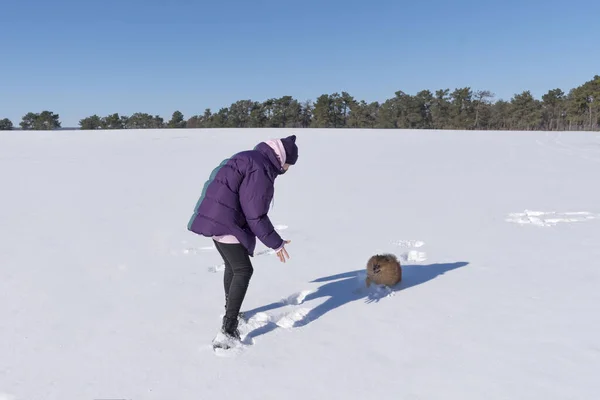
383,269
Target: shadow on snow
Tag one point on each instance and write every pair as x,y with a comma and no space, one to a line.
344,288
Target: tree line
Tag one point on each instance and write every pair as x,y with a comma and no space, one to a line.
462,109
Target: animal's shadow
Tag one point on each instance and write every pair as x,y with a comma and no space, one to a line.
347,287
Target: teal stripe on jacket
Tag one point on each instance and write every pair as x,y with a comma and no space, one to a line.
212,176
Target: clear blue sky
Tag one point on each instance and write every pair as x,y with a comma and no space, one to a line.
77,58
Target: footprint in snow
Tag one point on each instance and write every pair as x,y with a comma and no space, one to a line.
549,218
260,323
414,256
289,320
198,250
265,252
409,243
297,298
263,322
217,268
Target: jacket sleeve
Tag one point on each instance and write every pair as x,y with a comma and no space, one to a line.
256,193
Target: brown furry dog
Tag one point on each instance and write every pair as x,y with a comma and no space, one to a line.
383,269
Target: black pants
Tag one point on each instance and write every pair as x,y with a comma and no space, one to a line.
238,271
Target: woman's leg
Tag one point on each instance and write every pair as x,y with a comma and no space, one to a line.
239,260
228,275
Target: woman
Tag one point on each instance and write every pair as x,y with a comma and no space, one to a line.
232,210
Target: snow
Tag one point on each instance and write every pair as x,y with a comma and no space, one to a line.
104,294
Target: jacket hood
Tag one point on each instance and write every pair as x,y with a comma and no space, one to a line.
265,149
280,151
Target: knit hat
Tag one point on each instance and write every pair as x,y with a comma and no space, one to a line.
291,149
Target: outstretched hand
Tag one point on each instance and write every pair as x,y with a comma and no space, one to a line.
283,252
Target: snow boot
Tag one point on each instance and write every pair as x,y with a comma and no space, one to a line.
229,336
230,327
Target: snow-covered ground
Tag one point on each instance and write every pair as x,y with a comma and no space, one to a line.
104,294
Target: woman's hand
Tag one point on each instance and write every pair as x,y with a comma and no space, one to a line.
282,253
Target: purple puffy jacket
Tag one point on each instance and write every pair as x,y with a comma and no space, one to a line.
236,198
